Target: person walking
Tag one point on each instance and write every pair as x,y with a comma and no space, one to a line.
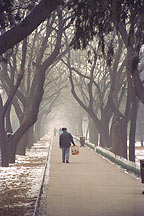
65,141
60,131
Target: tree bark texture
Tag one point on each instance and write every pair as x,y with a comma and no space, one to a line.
119,136
132,132
3,140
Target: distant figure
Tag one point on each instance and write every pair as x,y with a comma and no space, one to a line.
60,131
55,130
65,141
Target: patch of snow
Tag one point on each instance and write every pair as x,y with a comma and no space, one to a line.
24,178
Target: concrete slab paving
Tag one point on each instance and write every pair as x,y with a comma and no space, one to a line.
91,186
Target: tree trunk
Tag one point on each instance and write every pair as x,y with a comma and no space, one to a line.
8,121
11,150
119,136
3,140
37,130
123,138
25,141
30,137
105,140
22,144
106,115
107,136
133,127
93,133
3,144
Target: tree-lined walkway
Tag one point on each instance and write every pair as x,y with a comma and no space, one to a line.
91,186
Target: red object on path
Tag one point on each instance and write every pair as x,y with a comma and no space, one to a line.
75,150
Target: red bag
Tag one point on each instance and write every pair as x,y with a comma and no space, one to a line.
75,150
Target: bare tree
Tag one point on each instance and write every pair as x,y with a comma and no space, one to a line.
37,84
100,89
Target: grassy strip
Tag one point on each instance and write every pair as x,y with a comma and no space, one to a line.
90,146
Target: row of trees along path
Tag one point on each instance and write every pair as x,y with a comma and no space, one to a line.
111,82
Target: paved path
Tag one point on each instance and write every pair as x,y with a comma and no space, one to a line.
91,186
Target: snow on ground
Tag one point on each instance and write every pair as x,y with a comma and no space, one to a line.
139,152
20,183
139,155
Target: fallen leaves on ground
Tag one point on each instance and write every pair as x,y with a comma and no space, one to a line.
20,183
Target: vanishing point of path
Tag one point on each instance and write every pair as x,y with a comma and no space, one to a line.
91,186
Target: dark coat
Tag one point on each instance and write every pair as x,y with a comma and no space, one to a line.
65,140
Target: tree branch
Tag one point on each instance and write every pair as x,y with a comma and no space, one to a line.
28,25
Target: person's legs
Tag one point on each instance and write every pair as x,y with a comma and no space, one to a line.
63,154
67,154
